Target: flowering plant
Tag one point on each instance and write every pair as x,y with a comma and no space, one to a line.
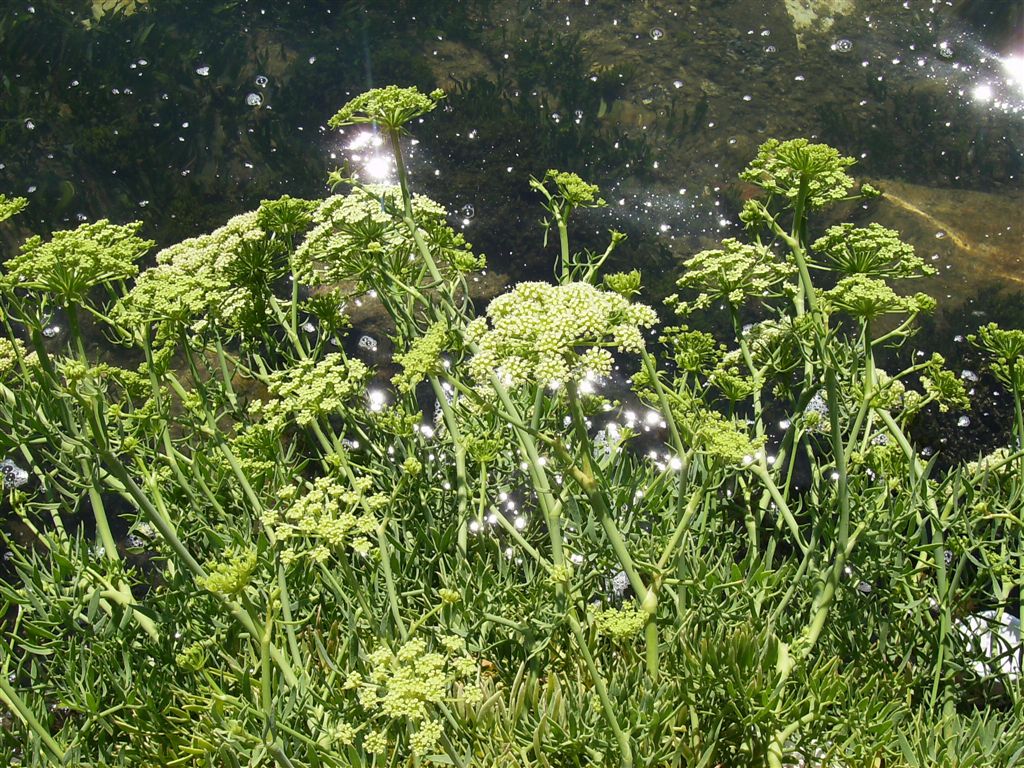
240,546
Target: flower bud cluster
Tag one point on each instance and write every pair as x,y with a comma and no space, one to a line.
873,250
11,206
363,236
390,107
868,298
327,518
733,273
620,623
422,359
230,573
191,283
10,354
312,389
795,167
74,261
407,684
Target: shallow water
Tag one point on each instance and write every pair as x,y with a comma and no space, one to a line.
183,113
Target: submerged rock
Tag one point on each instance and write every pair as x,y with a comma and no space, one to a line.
971,237
816,17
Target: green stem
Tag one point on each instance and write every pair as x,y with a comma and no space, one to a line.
23,711
621,738
462,485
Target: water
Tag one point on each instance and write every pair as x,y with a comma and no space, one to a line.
187,112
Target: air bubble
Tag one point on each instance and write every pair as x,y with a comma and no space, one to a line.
368,343
13,475
467,211
203,71
253,99
262,80
842,45
657,33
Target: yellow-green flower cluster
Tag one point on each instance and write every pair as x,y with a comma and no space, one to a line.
1005,349
230,573
391,107
422,359
693,351
192,280
11,206
890,393
733,385
355,235
325,519
74,261
10,354
312,389
868,298
795,167
995,462
874,250
555,333
620,623
408,684
574,190
426,738
626,284
733,273
411,679
286,217
725,439
376,742
338,733
944,387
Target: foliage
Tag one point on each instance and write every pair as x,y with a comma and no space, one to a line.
237,546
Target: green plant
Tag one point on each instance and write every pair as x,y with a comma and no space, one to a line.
237,547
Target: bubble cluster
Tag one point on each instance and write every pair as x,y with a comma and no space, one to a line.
13,476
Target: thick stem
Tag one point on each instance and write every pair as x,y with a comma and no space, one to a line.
621,737
23,711
462,485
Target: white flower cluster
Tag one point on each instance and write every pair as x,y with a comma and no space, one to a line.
555,333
